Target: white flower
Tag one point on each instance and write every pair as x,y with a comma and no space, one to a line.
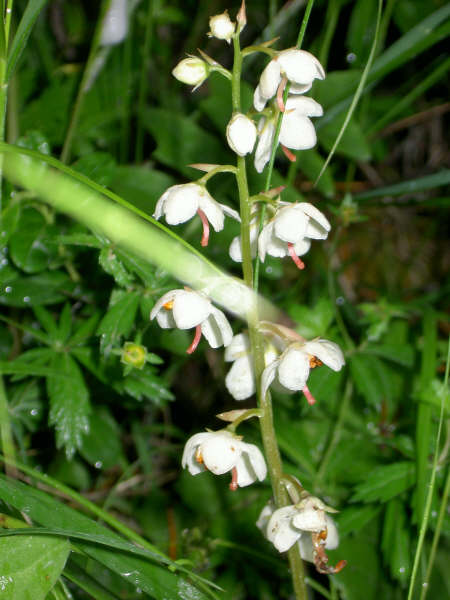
297,131
298,66
241,134
115,23
294,364
221,27
186,309
192,71
235,249
290,524
290,231
222,451
179,203
240,379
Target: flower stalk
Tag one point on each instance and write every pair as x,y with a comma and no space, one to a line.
272,452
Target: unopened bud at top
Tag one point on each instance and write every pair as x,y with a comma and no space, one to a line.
241,17
192,71
221,27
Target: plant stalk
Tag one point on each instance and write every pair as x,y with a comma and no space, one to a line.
272,452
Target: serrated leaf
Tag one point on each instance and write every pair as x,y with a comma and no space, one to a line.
118,321
85,330
30,565
385,482
312,321
65,324
25,405
111,263
47,321
69,403
146,384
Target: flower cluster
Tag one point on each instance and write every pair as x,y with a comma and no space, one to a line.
286,230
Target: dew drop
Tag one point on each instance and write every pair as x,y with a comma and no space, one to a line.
425,584
269,270
351,57
3,234
98,464
402,570
8,289
34,412
340,300
26,298
434,513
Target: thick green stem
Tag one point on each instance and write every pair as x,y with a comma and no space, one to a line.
272,452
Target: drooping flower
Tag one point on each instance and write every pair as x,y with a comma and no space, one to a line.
179,203
221,27
115,23
223,451
192,71
297,66
294,364
307,524
186,309
240,379
297,130
241,134
235,249
290,231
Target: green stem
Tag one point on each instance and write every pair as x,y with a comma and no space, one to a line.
83,87
143,81
268,434
335,435
5,431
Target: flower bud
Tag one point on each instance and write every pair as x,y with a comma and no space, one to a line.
192,71
115,23
241,134
222,27
134,355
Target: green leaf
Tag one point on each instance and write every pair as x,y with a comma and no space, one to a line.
354,518
155,580
141,186
401,354
168,128
65,324
28,248
396,541
48,287
353,143
98,166
310,164
385,482
361,30
313,321
69,403
101,445
436,394
85,330
9,220
47,321
119,319
371,377
25,406
110,262
146,384
30,566
412,186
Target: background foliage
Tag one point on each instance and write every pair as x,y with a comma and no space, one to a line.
70,300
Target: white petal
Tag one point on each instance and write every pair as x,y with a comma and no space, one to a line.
310,519
240,380
216,329
332,540
165,319
241,134
182,203
239,346
327,352
220,452
303,106
306,547
316,217
270,80
190,309
230,212
294,369
259,102
280,530
188,460
268,376
168,297
297,132
300,66
299,88
264,147
290,224
264,517
302,246
159,208
212,210
257,461
235,250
